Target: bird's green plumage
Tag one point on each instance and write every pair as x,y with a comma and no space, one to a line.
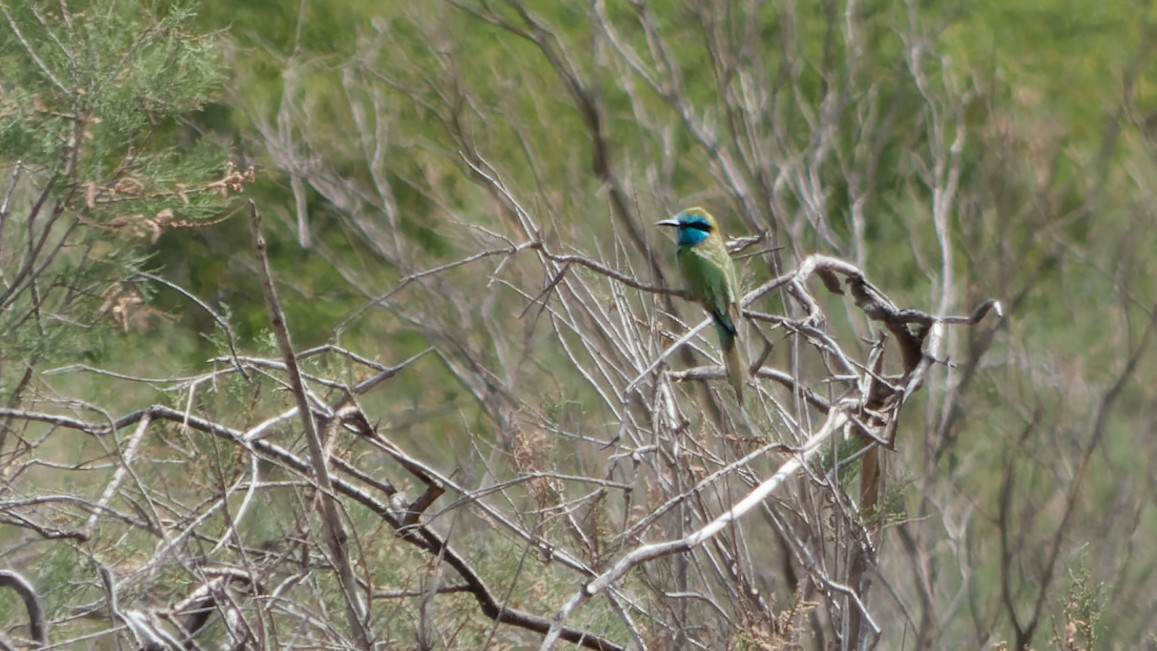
711,279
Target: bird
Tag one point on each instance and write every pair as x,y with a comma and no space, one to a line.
711,279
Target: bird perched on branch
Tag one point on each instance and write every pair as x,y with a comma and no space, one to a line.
710,276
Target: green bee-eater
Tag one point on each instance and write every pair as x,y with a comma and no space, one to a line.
710,276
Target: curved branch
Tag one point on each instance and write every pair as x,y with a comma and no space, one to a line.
37,621
836,420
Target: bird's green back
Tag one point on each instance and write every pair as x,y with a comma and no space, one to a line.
711,278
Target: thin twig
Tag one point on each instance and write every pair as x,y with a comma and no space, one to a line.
357,610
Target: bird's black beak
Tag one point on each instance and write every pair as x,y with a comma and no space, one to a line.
668,222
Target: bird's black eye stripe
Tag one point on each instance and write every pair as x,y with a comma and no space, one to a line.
702,226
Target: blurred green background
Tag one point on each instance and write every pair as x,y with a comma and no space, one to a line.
956,151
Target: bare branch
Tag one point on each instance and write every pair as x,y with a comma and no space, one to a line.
337,537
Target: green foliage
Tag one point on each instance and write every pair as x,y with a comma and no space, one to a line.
92,107
110,74
1084,608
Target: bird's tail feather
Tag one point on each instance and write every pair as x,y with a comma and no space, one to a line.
732,361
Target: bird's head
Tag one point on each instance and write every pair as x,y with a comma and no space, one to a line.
694,224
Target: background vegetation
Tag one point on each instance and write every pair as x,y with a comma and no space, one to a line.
460,287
